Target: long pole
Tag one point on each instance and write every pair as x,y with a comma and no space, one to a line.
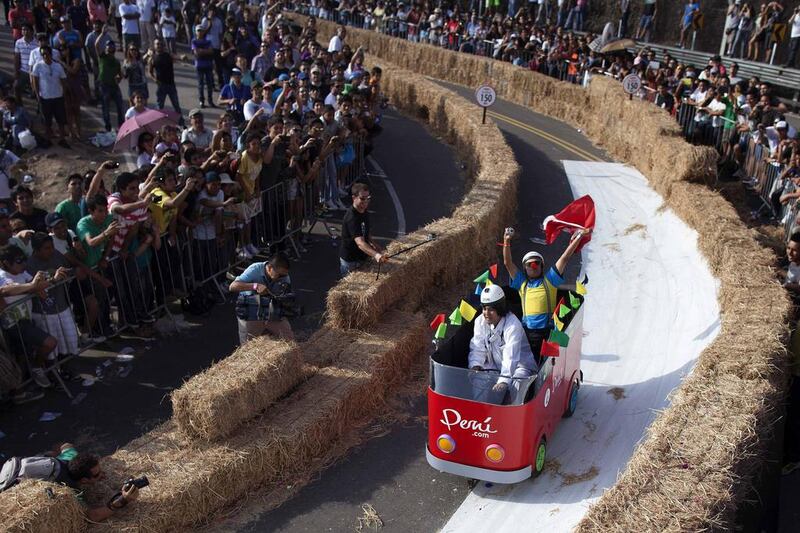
484,116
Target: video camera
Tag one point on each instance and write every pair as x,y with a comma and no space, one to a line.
139,482
281,302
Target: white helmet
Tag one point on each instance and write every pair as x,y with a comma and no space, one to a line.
491,295
530,256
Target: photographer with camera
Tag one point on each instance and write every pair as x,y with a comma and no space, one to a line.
79,471
265,299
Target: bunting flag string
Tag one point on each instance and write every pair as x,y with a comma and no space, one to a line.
482,278
467,311
549,349
441,331
455,317
574,301
559,337
438,319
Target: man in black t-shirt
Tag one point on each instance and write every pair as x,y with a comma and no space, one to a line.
357,245
163,72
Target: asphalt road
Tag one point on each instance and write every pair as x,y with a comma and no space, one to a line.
132,397
388,472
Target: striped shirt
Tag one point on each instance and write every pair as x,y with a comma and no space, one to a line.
24,48
126,221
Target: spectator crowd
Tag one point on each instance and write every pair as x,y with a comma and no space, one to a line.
298,119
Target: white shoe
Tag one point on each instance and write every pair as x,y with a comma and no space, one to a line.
252,249
40,378
244,254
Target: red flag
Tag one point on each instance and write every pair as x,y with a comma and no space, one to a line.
493,270
438,319
577,215
549,349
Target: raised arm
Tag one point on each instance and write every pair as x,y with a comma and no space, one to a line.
508,261
561,264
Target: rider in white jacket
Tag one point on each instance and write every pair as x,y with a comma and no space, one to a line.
499,342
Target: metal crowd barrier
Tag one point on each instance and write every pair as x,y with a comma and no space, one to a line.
145,288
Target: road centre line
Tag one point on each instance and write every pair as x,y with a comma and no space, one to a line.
547,136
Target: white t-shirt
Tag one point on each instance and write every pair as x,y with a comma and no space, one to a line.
62,245
146,9
7,160
716,105
131,112
50,77
36,56
795,26
129,26
168,25
335,44
205,229
250,108
14,313
24,48
143,159
792,273
331,100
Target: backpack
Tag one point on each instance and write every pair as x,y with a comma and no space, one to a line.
17,468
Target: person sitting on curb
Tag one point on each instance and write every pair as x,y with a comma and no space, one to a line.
78,471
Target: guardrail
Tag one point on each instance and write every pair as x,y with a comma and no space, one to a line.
143,288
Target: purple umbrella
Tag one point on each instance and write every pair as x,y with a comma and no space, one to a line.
150,120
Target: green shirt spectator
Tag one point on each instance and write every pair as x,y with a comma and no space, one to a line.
109,69
87,227
70,211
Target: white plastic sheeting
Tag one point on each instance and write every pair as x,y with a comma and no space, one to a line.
650,311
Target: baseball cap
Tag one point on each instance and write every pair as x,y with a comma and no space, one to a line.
236,72
283,77
781,125
195,111
211,176
302,76
315,69
53,219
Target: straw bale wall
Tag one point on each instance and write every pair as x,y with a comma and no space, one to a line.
27,507
191,480
361,298
701,456
213,403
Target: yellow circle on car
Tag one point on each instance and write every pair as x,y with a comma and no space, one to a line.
446,443
495,453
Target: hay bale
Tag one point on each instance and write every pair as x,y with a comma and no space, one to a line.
27,507
359,299
215,402
196,479
702,454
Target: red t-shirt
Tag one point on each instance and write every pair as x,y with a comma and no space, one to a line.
18,18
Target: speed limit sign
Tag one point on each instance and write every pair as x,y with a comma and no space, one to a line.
485,95
632,83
